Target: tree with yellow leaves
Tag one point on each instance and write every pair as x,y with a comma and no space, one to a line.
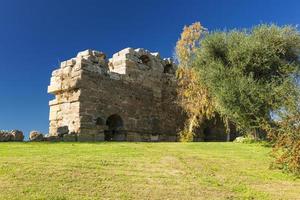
193,97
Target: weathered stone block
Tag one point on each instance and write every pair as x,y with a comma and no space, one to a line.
36,136
71,62
154,138
62,130
54,88
5,136
85,53
86,137
17,135
53,102
99,137
52,138
56,73
119,137
70,138
63,64
134,137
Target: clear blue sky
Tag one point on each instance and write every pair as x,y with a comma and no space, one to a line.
36,34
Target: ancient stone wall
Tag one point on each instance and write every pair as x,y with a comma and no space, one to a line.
11,136
130,96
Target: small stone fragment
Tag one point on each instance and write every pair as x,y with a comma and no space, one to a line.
36,136
17,135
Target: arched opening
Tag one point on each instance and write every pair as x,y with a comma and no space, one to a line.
207,134
115,128
145,60
168,68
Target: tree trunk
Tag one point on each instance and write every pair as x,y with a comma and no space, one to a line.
228,136
227,129
255,133
192,123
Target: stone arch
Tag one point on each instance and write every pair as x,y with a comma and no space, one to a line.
168,69
145,60
207,133
115,128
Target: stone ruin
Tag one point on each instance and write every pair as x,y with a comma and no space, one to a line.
11,136
129,97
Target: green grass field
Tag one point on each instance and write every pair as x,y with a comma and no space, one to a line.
141,171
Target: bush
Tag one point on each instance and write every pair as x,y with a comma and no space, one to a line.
285,139
186,136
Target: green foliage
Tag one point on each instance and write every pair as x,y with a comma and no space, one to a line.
250,74
252,77
285,138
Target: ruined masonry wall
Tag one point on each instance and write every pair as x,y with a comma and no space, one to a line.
136,85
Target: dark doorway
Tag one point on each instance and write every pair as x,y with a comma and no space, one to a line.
168,69
207,134
145,60
115,128
215,133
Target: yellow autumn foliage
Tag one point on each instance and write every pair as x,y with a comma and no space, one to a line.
193,97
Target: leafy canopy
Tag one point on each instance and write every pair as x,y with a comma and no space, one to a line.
250,74
250,78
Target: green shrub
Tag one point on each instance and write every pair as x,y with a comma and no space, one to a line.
285,139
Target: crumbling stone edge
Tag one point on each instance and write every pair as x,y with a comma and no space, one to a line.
34,136
11,136
63,136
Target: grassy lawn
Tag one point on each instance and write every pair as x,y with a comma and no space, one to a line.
141,171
